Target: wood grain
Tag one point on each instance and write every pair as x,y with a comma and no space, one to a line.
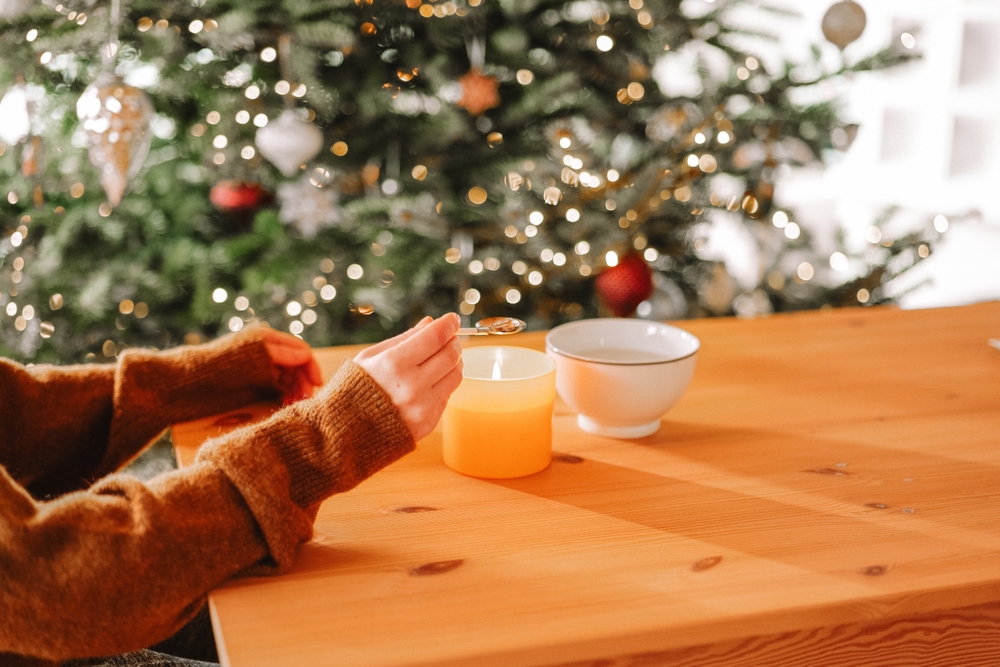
826,493
968,637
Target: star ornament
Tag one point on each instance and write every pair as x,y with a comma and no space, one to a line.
479,92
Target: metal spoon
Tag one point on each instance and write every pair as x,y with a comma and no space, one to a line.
498,326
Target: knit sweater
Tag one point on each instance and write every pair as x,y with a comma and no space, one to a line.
93,564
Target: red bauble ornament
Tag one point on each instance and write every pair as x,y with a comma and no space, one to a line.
479,92
625,286
238,197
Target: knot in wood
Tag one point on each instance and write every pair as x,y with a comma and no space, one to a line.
828,471
706,563
437,567
875,570
877,506
414,509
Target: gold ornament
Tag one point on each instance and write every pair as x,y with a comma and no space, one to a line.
479,92
116,119
843,23
31,157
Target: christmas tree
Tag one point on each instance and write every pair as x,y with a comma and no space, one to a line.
174,170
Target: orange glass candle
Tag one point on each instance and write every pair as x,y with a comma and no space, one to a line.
498,423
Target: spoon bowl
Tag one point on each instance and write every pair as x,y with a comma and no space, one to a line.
496,326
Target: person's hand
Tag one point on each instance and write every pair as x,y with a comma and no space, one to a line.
296,373
418,369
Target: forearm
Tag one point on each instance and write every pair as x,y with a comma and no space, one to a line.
124,564
156,389
120,566
65,427
55,421
324,445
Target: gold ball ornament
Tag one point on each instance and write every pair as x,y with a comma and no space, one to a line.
843,23
479,92
116,118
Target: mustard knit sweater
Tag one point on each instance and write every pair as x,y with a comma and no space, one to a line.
95,564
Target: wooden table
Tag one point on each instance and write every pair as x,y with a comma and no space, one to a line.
826,493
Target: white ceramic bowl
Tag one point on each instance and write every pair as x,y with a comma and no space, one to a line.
621,375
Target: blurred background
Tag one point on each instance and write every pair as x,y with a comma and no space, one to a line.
926,142
338,168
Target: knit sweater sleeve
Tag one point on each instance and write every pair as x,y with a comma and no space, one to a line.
124,564
65,427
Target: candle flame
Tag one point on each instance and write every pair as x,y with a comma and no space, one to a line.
496,368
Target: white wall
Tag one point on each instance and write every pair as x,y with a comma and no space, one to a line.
929,140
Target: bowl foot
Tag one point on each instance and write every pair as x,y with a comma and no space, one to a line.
616,431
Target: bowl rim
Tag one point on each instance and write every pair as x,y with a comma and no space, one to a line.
550,347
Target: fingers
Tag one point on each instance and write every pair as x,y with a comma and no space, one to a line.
313,373
286,350
442,362
430,409
426,342
394,341
449,383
